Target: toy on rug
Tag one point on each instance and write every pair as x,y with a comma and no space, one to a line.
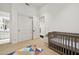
29,50
37,50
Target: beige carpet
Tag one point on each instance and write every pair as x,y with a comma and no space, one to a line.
7,48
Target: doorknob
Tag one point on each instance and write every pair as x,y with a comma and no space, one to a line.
18,30
33,30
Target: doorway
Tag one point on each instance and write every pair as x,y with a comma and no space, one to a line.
42,27
24,27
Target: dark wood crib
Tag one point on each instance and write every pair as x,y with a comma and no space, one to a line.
64,43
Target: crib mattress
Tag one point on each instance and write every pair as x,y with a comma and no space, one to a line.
61,42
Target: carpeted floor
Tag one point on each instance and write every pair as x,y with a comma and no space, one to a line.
8,48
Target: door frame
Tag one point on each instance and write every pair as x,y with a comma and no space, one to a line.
31,22
42,20
32,26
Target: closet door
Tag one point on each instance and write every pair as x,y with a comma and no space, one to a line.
24,27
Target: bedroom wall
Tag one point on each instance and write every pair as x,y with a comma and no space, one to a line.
14,9
61,17
23,10
6,7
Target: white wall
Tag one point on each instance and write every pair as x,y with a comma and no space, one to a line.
23,10
61,17
6,7
19,8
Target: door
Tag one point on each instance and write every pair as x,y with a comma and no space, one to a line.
24,27
36,33
42,26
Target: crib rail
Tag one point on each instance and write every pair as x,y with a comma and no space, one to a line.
67,43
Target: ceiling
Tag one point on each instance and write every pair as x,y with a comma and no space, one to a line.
37,5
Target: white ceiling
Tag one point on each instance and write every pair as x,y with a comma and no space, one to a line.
37,5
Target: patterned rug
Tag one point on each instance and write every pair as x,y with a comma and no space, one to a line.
29,50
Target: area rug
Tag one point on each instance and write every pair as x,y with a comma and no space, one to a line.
28,50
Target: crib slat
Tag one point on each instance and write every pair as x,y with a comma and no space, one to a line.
68,44
63,43
58,46
71,45
75,44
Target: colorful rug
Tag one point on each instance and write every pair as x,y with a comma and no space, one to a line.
29,50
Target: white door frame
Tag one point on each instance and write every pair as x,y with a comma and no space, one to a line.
32,23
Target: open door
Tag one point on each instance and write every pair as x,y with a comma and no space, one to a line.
42,26
24,27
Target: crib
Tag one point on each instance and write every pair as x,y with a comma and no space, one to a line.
64,43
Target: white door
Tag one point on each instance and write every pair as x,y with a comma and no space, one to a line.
36,33
42,26
24,27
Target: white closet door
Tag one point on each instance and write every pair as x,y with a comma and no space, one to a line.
24,27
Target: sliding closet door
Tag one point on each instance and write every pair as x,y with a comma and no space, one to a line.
24,27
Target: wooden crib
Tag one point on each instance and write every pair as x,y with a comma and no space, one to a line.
64,43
